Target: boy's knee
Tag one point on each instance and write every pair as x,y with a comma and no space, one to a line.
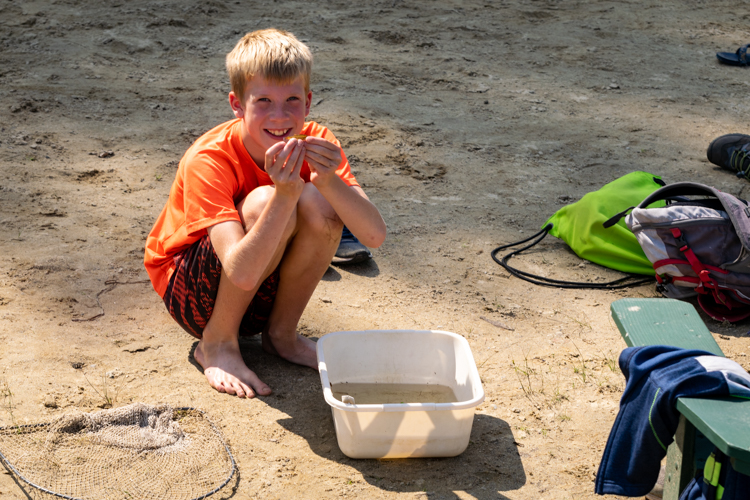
315,212
253,205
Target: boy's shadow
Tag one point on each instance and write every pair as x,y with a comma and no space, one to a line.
491,464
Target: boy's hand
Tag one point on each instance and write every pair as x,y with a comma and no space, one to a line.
283,164
324,158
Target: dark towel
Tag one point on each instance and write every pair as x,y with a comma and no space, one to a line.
656,377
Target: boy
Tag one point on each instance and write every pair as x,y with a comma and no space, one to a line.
255,215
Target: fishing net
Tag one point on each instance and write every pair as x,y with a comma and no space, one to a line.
137,451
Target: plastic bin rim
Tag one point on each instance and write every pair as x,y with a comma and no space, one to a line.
395,407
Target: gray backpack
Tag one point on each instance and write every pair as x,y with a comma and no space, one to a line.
699,244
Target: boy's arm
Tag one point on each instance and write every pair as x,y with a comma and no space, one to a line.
351,203
244,256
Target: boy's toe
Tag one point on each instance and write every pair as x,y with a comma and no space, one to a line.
263,390
245,391
235,389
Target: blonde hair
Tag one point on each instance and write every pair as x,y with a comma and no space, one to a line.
274,54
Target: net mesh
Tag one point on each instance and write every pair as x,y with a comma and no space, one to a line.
137,451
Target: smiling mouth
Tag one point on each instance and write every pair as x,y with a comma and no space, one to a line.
280,133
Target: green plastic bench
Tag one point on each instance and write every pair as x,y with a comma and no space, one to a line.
721,422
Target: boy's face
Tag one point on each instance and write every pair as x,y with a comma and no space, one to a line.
270,112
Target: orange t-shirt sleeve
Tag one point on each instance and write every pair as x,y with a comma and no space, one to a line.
209,188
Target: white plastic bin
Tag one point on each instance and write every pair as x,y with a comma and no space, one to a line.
403,429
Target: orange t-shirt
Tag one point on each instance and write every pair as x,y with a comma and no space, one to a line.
214,175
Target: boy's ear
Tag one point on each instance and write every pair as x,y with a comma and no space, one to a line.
308,102
236,105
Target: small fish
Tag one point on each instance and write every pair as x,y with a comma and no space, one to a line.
301,137
498,324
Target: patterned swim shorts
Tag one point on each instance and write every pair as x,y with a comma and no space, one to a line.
192,290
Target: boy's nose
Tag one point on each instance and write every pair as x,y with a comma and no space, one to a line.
278,112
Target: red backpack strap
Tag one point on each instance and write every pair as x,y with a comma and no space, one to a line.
703,273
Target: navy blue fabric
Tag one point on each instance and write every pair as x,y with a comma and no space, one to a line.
736,487
693,491
656,376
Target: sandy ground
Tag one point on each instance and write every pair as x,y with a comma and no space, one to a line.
468,123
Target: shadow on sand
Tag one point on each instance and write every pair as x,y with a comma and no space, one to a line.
368,269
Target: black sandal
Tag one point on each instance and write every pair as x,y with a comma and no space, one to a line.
739,58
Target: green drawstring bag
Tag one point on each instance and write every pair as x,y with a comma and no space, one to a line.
581,224
595,230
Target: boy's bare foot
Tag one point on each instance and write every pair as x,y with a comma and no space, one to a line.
226,371
300,351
